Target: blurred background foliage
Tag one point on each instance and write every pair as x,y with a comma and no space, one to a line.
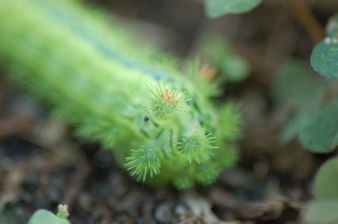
264,59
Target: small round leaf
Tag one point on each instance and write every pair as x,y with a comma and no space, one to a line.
43,217
324,58
216,8
321,212
326,182
321,134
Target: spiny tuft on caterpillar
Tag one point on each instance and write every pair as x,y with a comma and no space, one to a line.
160,125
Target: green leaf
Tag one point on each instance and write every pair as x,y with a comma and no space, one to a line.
326,183
43,217
324,58
296,125
216,8
297,88
321,134
325,187
321,212
296,85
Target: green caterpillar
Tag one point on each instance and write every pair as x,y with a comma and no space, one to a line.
160,124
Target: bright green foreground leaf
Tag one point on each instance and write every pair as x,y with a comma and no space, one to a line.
326,181
216,8
46,217
321,134
321,212
324,58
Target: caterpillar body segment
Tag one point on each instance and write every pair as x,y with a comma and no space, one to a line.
96,76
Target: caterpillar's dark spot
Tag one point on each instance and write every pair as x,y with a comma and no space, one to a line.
201,121
146,118
189,101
